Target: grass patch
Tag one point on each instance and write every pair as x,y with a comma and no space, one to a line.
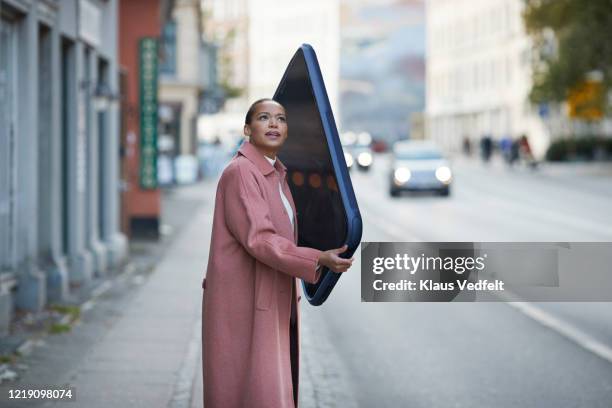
5,359
57,328
73,311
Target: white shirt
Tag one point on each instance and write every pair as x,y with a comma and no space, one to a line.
283,198
285,201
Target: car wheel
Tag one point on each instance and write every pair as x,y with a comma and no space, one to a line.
394,192
445,192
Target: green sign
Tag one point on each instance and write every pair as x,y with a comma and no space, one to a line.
148,112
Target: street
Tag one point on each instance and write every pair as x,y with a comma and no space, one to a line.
470,354
117,118
138,343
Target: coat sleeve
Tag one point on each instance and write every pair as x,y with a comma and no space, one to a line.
247,216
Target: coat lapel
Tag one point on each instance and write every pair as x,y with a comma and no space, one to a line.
287,192
251,153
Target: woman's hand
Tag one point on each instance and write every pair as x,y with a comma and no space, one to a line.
332,260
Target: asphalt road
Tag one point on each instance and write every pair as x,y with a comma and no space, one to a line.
466,354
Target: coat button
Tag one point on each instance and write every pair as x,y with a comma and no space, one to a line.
204,284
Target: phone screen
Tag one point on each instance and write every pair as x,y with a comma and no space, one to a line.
321,216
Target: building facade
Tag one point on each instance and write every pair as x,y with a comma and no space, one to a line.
478,75
256,40
59,164
226,23
138,52
182,78
277,29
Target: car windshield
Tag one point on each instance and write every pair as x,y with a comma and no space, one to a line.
418,155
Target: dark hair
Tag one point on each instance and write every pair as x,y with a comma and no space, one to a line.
251,111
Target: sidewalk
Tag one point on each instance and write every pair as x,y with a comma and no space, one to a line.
138,344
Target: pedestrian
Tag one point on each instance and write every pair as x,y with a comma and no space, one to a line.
526,153
486,148
467,146
514,151
250,310
505,145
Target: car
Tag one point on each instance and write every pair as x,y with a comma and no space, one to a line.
363,156
379,146
348,158
419,166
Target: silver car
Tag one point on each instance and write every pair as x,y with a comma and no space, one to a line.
419,165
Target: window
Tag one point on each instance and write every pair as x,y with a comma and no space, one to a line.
8,178
168,45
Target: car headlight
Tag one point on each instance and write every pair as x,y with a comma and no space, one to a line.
349,159
443,174
402,175
364,159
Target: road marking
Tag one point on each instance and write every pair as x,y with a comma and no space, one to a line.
566,330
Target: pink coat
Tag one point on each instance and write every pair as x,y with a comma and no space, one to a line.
250,331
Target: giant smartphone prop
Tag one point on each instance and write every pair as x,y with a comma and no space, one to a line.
327,212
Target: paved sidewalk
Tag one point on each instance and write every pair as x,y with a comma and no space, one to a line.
150,357
139,344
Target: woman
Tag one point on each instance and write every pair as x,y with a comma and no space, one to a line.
250,309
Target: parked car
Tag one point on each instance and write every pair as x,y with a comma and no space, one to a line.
419,165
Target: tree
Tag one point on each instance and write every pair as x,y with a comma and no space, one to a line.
573,52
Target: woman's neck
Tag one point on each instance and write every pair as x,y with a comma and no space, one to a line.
268,153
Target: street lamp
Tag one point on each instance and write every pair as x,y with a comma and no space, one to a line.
103,96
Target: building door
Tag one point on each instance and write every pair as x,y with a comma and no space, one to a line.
8,165
103,139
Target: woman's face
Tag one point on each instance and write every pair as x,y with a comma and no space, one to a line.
268,128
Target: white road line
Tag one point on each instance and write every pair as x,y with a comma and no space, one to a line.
566,330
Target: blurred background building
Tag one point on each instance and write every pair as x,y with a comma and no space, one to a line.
184,76
256,40
478,74
160,139
92,95
382,67
59,163
138,55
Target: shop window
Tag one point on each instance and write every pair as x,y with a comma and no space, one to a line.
168,49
